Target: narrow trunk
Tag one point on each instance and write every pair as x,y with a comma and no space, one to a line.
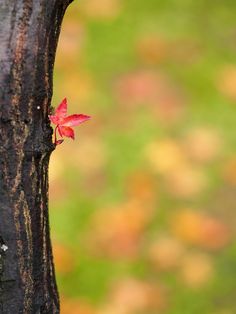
29,31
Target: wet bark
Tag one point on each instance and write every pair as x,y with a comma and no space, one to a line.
29,31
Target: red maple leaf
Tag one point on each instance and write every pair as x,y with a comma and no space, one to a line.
65,123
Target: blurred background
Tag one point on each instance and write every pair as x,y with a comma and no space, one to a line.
143,202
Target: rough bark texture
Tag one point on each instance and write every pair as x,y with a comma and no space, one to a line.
29,31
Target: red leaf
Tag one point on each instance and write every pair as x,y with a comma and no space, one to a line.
64,123
61,110
59,142
54,119
75,119
59,130
66,131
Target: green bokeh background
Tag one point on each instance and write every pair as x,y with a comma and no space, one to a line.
189,48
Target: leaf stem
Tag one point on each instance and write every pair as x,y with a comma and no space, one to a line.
55,135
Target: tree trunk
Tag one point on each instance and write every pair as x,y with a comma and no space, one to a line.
29,31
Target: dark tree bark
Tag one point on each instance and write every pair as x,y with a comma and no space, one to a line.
29,31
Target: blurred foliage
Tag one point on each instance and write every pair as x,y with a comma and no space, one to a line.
143,202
